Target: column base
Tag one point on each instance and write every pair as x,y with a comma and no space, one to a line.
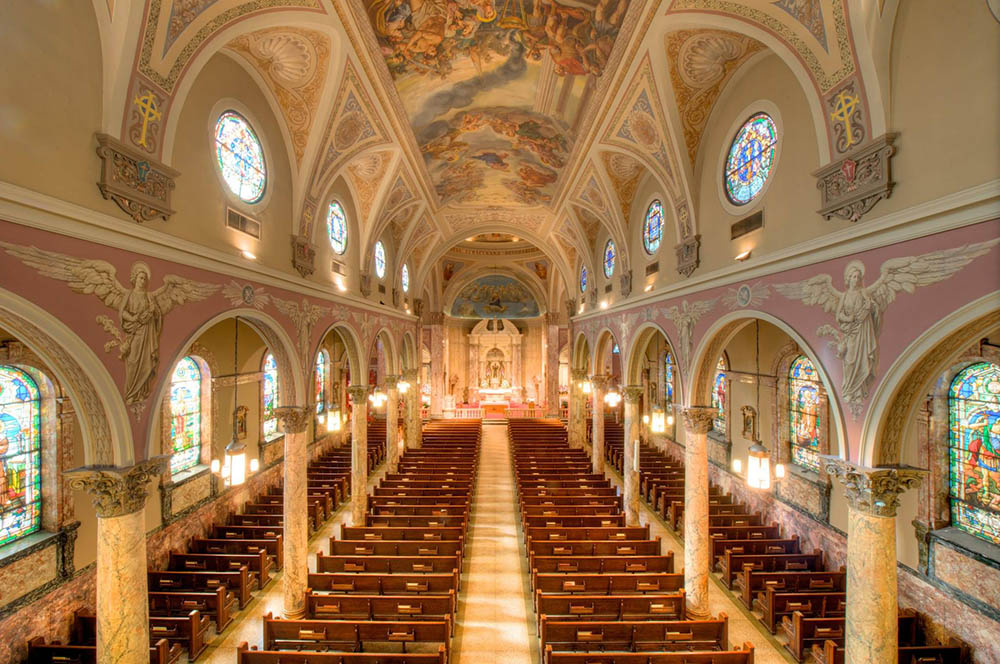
697,614
296,614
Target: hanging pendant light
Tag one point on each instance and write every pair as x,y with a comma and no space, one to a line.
758,458
236,450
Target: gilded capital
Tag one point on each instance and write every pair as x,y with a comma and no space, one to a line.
874,491
293,419
579,374
698,419
411,375
118,491
600,381
391,380
633,393
358,393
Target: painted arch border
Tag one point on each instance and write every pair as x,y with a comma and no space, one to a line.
642,336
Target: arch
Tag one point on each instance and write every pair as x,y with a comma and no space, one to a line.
899,394
408,356
392,364
515,272
606,341
580,359
292,379
698,389
640,343
103,418
352,346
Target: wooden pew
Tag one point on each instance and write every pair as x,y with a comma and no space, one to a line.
388,564
381,607
396,548
218,603
273,548
734,563
258,564
742,656
238,582
247,655
773,604
184,632
830,653
607,584
351,636
610,607
804,632
749,582
635,636
40,652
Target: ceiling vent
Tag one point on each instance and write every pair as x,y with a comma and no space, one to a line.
337,267
652,268
747,225
242,223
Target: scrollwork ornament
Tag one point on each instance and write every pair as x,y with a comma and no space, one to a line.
698,419
118,491
633,393
293,419
873,491
358,393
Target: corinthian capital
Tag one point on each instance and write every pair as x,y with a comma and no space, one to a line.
698,419
579,374
411,375
633,393
118,491
293,419
390,382
874,491
358,393
600,381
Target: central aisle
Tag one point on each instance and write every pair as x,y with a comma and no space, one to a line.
495,623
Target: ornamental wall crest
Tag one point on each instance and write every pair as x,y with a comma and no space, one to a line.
137,183
850,187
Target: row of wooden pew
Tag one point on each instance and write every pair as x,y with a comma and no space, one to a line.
198,593
790,591
603,592
387,591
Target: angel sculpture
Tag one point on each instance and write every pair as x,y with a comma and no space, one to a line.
685,317
859,309
140,311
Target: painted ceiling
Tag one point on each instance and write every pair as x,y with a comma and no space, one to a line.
495,296
493,89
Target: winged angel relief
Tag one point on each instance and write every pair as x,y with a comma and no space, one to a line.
858,311
140,311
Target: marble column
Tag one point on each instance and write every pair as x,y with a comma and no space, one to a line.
359,453
119,496
411,414
598,384
577,409
438,387
630,464
392,423
294,421
872,634
551,377
697,548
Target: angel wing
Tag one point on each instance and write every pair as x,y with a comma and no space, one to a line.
82,275
701,307
815,290
910,272
176,291
673,312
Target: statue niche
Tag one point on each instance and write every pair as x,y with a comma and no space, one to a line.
494,374
494,365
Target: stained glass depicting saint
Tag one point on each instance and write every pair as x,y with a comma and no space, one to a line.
803,412
20,455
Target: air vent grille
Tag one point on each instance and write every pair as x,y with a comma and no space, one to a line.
242,223
653,268
747,225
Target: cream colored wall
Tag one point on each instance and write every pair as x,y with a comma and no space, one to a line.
648,190
85,548
325,255
50,99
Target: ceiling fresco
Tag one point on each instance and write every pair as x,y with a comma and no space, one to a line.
494,88
495,296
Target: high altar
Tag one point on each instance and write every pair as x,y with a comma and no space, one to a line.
494,364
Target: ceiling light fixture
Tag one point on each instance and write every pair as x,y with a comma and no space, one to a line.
744,255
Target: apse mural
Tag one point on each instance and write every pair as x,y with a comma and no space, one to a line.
494,296
494,89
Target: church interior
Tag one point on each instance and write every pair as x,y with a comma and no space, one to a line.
500,331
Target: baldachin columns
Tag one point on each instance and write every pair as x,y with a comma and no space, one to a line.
697,550
630,462
359,453
294,421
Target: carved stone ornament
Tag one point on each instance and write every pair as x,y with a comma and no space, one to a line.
592,296
358,393
571,306
390,382
698,419
874,491
850,188
626,283
434,318
411,376
418,306
599,382
303,255
139,185
688,255
293,419
366,284
118,491
633,393
395,297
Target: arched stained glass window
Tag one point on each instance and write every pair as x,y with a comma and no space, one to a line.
583,279
404,278
20,455
751,156
668,377
336,227
379,259
270,393
609,258
241,157
185,415
974,450
719,396
322,375
652,229
803,412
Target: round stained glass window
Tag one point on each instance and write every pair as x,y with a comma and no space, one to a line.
336,227
609,258
404,278
583,279
750,159
379,260
241,157
653,228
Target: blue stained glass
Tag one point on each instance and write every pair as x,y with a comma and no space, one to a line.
20,455
668,376
322,368
379,259
240,156
803,412
404,278
719,397
583,279
751,157
974,450
652,229
185,415
609,258
270,393
336,227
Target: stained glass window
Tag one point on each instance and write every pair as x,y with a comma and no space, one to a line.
404,278
609,258
336,227
653,228
803,412
379,259
241,158
270,390
583,279
719,397
20,455
322,371
185,415
974,450
750,159
668,377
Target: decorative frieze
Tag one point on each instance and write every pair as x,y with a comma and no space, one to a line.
303,255
293,419
688,255
118,491
873,491
850,188
138,184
